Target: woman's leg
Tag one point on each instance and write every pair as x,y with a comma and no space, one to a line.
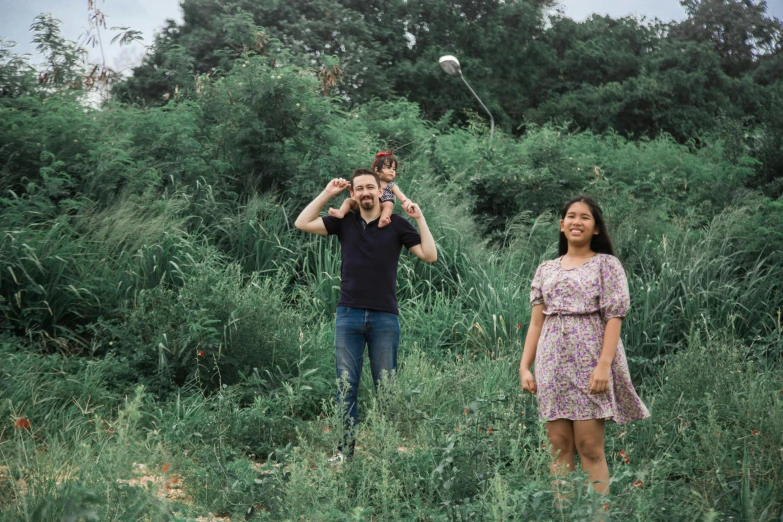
589,439
561,438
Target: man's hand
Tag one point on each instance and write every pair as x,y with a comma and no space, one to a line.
426,251
336,186
308,220
413,210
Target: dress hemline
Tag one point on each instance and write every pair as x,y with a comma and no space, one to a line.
608,418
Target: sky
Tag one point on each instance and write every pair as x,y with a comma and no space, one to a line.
149,16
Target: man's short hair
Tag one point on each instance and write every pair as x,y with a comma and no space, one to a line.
365,172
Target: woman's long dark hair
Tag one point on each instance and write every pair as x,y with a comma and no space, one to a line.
601,242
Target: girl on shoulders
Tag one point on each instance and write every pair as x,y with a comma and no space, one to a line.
385,165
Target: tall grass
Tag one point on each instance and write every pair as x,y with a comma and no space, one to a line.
257,236
46,282
695,279
425,445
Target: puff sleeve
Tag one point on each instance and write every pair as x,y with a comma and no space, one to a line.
536,287
614,300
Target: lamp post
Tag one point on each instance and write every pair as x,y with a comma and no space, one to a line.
450,65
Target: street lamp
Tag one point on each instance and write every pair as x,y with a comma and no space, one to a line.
450,65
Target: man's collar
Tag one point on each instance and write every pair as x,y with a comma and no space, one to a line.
370,221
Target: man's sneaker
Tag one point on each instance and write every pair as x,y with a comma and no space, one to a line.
337,460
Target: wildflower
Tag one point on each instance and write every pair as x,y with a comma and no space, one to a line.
627,460
519,325
755,432
543,446
606,506
638,483
459,357
201,353
622,453
489,431
22,423
465,412
165,468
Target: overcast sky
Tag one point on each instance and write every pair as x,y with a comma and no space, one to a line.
148,16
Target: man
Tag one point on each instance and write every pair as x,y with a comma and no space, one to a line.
367,309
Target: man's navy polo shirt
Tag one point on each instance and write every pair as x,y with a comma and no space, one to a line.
369,259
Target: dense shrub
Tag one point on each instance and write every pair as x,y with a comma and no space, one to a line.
215,328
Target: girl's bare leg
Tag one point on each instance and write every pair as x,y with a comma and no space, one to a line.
387,207
346,207
589,440
561,438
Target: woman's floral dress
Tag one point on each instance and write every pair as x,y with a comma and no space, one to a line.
577,304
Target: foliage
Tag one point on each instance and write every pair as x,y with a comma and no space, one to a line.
163,318
626,74
212,329
739,30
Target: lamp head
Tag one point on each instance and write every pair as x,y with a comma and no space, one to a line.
450,65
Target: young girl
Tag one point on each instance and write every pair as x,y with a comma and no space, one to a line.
581,373
385,165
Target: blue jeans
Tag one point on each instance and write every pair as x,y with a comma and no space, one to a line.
355,328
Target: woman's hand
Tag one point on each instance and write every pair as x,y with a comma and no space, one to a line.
528,381
599,379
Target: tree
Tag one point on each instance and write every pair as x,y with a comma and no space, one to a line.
65,61
386,48
681,91
17,76
739,30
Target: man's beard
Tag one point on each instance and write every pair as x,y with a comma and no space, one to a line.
367,204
